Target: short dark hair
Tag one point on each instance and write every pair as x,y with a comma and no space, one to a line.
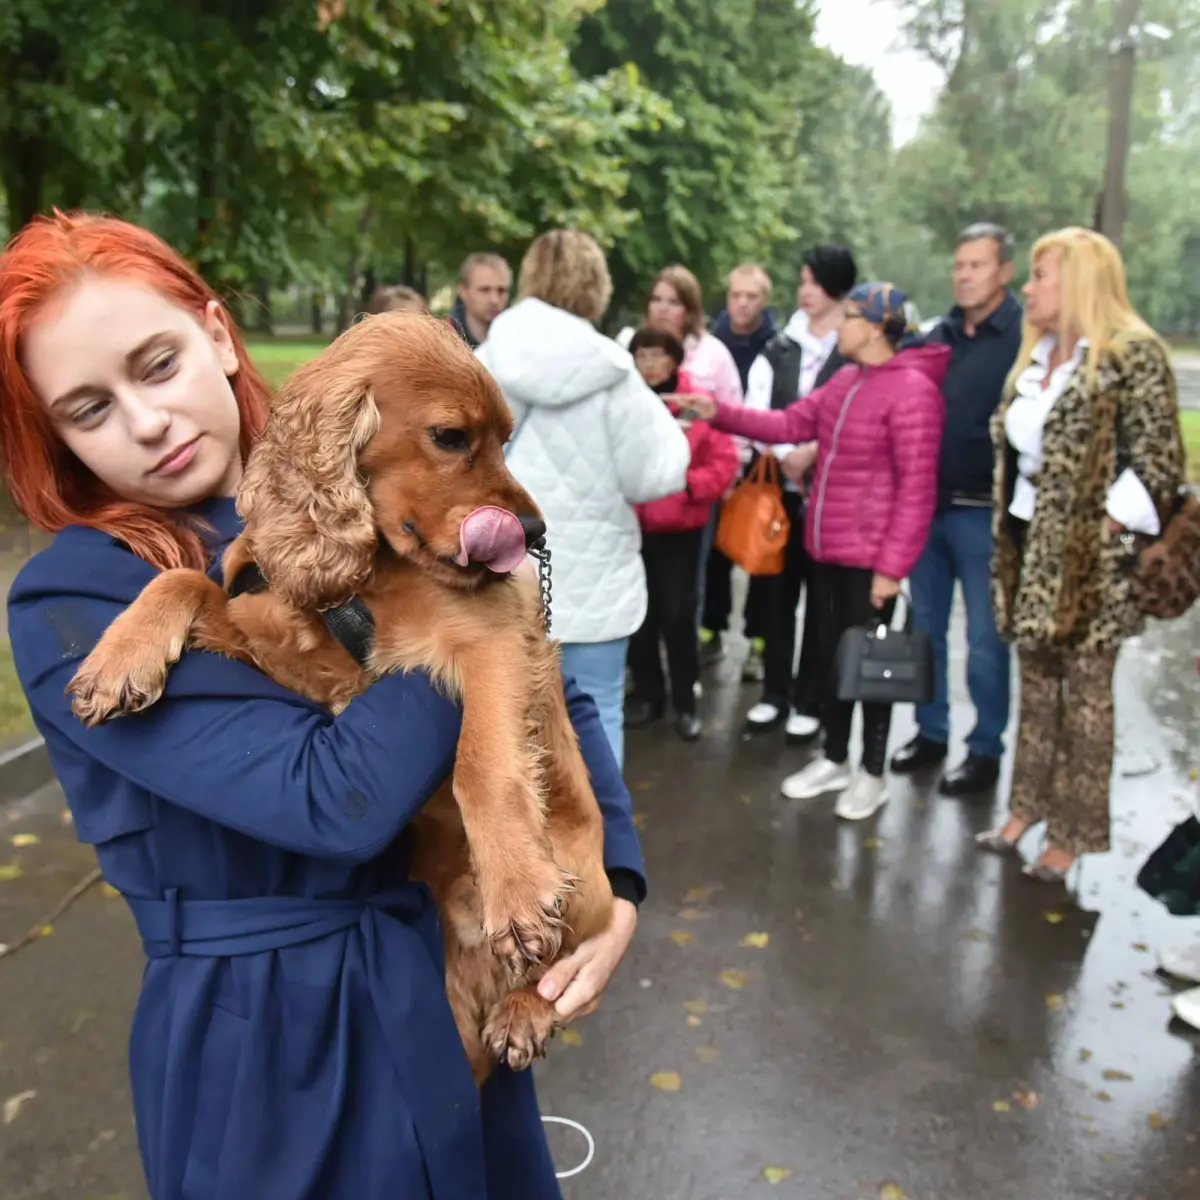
648,338
834,269
1005,242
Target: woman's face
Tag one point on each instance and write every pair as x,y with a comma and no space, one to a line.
138,389
856,333
666,311
1043,292
655,365
811,298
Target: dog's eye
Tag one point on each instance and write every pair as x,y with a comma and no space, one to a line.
450,439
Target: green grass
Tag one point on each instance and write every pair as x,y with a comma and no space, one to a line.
14,715
1189,421
277,358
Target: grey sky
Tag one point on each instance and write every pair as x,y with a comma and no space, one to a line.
867,32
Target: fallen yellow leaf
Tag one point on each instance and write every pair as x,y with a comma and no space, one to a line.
642,785
775,1175
1141,947
691,914
666,1081
46,930
571,1037
746,799
694,1020
1027,1100
733,979
1054,1001
1084,1055
1116,1076
681,937
706,1054
1102,1095
14,1104
107,889
1054,918
25,839
696,1006
9,872
872,843
698,895
757,941
891,1191
639,820
1001,1106
1156,1120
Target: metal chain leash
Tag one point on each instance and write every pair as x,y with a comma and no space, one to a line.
541,552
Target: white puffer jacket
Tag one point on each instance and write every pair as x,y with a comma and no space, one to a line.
591,440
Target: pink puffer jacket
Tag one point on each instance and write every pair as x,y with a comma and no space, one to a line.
878,432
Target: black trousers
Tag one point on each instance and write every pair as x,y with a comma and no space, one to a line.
672,563
840,598
803,688
718,596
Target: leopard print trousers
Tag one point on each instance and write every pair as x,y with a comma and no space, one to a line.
1063,766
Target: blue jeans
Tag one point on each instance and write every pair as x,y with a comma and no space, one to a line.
959,549
599,670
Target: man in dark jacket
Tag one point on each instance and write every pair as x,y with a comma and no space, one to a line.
745,325
983,331
484,282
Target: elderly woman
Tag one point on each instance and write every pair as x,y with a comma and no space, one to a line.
591,441
1089,449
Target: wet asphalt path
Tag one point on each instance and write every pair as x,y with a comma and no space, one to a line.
811,1010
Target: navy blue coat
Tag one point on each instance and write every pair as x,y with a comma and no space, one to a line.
292,1039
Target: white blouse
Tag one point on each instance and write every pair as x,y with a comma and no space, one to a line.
1129,504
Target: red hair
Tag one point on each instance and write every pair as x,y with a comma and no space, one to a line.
49,484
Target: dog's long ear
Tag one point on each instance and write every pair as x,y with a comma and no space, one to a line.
308,518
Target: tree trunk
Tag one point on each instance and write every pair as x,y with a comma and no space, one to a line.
24,163
1111,217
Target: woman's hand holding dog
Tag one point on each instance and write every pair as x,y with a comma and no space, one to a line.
576,981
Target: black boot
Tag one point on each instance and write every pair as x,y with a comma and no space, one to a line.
639,713
918,755
975,775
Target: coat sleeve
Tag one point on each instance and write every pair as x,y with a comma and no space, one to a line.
650,451
714,467
1149,422
759,383
915,437
791,426
622,847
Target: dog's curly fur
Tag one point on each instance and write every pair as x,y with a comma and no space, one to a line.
373,455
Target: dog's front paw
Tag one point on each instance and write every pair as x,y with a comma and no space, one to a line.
522,915
114,681
518,1028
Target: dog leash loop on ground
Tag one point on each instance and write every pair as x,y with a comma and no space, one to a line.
591,1146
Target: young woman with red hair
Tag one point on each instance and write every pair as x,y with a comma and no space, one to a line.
292,1039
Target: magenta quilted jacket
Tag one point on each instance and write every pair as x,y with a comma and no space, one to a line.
878,432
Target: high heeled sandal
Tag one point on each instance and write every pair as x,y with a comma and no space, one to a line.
994,841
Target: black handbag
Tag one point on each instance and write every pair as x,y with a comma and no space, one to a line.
879,665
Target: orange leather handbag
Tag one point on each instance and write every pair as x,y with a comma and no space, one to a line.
754,526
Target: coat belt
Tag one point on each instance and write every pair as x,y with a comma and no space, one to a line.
224,928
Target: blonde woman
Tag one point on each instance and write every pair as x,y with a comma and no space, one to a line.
591,440
1089,450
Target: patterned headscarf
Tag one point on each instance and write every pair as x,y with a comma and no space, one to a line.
880,303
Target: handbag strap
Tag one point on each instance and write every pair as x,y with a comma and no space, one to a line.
905,595
765,470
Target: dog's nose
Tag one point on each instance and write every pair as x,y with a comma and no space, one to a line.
535,530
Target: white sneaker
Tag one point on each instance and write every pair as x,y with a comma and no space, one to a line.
819,778
1187,1007
762,714
866,796
800,726
1182,961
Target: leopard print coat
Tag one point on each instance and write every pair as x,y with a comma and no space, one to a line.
1069,585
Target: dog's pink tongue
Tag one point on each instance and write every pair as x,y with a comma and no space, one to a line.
494,537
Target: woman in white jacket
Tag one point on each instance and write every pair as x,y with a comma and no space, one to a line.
590,441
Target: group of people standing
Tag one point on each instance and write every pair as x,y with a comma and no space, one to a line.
1019,452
